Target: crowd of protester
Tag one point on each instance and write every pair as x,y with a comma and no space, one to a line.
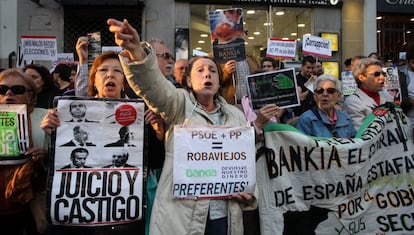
195,91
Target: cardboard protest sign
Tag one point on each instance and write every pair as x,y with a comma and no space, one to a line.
96,176
42,48
275,87
281,48
213,161
358,185
227,34
14,137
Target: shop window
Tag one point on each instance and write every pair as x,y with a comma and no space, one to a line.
80,20
394,34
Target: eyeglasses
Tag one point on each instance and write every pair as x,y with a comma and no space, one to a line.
165,55
378,73
17,89
330,90
105,69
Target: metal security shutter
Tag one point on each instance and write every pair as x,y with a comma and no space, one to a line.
80,20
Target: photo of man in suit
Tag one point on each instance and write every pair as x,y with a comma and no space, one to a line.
119,159
78,111
78,159
124,138
80,137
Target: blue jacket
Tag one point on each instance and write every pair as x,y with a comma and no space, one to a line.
310,124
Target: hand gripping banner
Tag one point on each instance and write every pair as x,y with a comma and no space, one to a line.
338,185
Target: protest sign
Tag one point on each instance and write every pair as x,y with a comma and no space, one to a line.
348,83
275,87
116,49
281,48
227,34
14,137
43,48
97,176
392,83
94,46
213,161
63,58
359,185
317,46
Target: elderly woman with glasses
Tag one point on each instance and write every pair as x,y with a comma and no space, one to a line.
323,120
19,182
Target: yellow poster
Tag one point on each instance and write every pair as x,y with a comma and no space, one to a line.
331,67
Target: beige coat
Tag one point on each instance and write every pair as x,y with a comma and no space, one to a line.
169,215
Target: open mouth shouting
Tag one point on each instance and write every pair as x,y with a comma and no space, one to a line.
110,84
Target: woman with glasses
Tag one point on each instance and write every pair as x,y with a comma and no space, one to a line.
107,80
324,120
19,183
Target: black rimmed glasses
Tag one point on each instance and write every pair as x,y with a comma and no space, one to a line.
16,89
330,90
165,55
378,73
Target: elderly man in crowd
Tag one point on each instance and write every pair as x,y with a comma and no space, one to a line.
370,92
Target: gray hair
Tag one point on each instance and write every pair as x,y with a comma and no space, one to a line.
361,67
328,77
156,40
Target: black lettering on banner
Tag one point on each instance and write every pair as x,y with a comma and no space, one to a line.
355,153
283,197
298,159
395,199
354,227
374,128
351,207
327,191
396,223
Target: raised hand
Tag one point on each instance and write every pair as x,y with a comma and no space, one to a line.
127,37
82,49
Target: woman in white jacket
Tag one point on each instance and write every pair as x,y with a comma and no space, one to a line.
200,105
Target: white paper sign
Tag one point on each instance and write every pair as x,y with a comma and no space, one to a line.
281,48
64,58
349,84
213,161
42,48
98,163
317,46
